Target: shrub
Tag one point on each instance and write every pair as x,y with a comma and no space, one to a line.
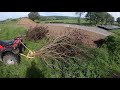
112,43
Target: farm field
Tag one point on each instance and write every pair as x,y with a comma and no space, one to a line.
66,21
101,62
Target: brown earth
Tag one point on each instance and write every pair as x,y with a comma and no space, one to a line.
27,23
81,36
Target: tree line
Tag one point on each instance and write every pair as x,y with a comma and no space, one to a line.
97,18
36,16
93,18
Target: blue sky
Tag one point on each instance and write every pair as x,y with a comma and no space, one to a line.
6,15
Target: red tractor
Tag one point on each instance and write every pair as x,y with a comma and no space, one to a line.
10,51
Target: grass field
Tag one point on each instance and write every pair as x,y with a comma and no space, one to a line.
101,63
117,31
70,21
66,21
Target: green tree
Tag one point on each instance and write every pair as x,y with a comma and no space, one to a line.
94,17
34,16
89,17
109,19
99,18
80,14
118,20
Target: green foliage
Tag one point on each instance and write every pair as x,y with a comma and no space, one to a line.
46,18
118,20
92,66
61,21
79,18
113,47
67,21
116,31
99,18
10,31
92,18
109,19
34,16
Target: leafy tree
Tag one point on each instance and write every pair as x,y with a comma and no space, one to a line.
34,16
109,19
99,18
118,20
89,17
80,14
112,20
94,17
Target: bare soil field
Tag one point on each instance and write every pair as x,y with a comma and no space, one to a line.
82,34
88,28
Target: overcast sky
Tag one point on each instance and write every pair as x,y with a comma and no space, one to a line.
6,15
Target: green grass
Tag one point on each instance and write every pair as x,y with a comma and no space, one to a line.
116,31
100,62
66,21
10,31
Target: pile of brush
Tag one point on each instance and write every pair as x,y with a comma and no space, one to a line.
61,47
81,38
36,33
59,51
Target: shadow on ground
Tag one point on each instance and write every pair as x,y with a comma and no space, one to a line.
34,72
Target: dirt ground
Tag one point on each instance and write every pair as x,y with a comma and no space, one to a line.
87,28
82,36
27,23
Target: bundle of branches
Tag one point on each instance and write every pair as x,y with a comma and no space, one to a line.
61,53
80,37
61,47
36,33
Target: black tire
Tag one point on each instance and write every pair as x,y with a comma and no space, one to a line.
11,59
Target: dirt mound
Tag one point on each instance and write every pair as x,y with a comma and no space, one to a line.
79,36
25,22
